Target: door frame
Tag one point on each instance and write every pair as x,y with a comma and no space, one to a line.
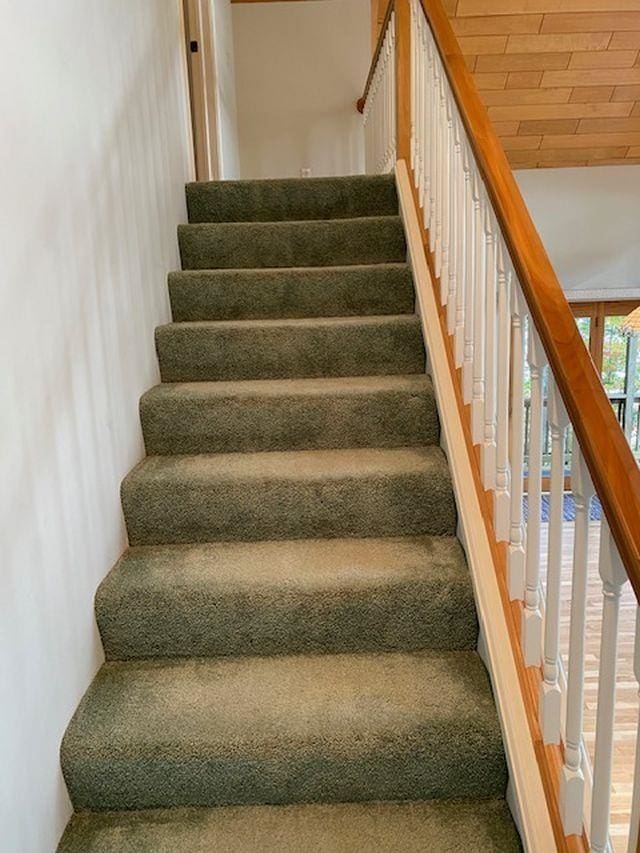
198,29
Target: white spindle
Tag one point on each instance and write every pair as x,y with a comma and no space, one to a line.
379,111
550,692
447,151
469,274
572,784
479,281
458,339
488,457
532,614
634,827
454,230
503,336
613,578
516,577
438,166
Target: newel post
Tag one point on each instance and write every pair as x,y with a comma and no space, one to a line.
403,79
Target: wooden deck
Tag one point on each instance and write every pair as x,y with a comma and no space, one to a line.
627,700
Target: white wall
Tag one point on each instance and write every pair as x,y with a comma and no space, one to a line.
300,68
589,220
224,70
94,154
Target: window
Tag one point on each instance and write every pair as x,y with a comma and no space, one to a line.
617,358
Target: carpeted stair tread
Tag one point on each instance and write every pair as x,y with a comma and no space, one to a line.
278,495
334,291
290,597
271,200
280,349
235,245
289,414
471,826
330,728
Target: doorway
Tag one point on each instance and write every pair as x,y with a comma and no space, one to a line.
202,87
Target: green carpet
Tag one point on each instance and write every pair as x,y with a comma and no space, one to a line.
483,826
232,245
283,349
268,294
291,635
277,200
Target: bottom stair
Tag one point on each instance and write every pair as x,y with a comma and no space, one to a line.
308,728
436,827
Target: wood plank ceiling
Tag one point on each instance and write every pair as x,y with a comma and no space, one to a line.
560,78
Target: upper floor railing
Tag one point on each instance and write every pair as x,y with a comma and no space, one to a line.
505,313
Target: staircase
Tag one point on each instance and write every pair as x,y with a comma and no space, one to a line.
291,637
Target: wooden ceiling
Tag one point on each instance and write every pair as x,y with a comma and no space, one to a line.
560,78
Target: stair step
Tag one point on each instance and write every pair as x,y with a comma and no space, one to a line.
281,349
289,414
331,728
291,597
471,826
288,293
322,242
302,494
292,198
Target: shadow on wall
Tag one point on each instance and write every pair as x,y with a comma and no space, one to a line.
99,154
300,68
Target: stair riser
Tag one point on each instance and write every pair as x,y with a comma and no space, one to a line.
295,199
176,511
442,827
172,424
269,294
292,244
206,352
196,622
418,768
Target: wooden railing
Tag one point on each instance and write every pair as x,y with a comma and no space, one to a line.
505,314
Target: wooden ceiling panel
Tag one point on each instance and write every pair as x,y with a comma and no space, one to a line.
561,78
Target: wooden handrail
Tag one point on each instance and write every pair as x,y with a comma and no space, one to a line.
374,61
609,458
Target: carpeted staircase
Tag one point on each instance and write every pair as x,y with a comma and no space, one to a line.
290,638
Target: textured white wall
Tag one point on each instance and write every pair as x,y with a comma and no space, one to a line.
300,68
94,151
589,221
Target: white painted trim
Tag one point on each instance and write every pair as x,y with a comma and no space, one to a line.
603,294
526,794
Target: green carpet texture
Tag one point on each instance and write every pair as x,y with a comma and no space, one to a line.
291,636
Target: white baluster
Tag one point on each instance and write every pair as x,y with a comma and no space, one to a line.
392,63
613,576
413,93
461,249
634,824
446,195
469,275
532,615
425,99
572,783
501,504
441,125
516,578
488,455
550,692
454,224
479,250
434,98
